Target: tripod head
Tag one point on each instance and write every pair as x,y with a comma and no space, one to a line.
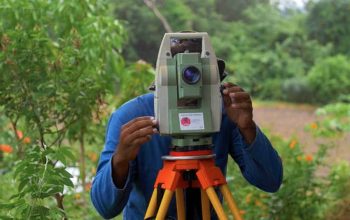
188,101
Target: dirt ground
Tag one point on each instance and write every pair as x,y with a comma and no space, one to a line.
291,120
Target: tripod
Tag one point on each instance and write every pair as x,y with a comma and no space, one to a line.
207,176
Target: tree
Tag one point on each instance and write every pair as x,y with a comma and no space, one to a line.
268,51
328,22
233,10
58,60
146,29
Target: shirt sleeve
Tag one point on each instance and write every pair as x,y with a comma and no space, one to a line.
259,162
107,198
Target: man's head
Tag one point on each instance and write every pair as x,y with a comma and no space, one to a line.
193,46
185,45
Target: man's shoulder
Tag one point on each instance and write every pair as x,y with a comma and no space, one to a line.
139,106
145,99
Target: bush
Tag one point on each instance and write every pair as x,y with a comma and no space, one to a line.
298,197
304,194
338,192
296,90
329,79
139,77
335,120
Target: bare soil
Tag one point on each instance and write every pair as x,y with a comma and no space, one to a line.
291,120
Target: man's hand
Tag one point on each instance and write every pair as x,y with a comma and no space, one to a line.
132,135
238,105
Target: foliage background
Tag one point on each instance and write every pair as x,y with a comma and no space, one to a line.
66,65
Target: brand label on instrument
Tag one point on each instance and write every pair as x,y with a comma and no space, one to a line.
191,121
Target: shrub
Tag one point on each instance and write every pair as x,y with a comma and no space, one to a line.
338,191
335,120
139,77
299,196
329,79
304,194
296,90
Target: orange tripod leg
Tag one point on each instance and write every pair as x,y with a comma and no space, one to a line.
216,203
230,201
205,206
151,210
180,206
164,205
208,176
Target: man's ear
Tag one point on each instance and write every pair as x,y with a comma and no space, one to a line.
152,87
221,65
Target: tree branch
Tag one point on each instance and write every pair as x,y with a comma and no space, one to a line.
59,200
151,4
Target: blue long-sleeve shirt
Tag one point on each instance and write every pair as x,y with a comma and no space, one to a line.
258,162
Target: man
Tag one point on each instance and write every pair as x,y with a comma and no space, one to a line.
131,158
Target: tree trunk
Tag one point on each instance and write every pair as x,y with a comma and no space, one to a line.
20,153
59,201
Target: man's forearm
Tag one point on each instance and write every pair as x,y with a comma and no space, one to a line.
265,166
110,190
249,133
120,169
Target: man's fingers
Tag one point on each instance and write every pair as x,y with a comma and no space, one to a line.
141,140
239,97
139,124
242,105
137,120
227,100
135,146
141,133
229,84
231,88
236,95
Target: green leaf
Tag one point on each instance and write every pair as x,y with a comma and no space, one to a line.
68,182
23,183
63,173
6,217
67,152
20,167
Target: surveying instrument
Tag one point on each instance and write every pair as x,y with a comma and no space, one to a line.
188,107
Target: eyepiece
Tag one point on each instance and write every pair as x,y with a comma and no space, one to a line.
191,75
